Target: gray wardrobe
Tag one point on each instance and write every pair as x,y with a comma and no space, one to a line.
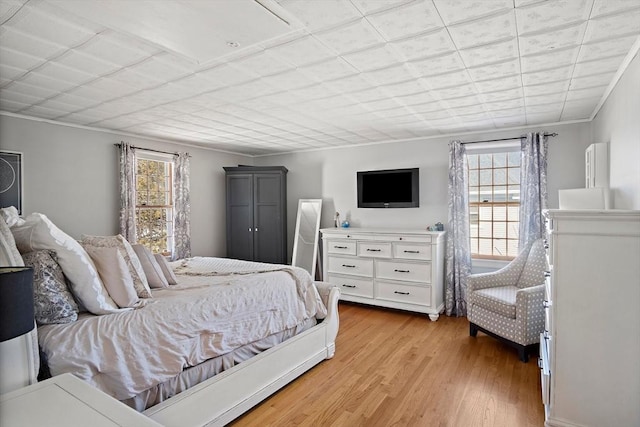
257,213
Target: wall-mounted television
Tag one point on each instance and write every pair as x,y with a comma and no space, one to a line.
395,188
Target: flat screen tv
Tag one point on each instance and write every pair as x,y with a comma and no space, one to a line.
396,188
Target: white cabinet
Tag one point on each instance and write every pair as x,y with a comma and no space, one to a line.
401,269
67,401
590,348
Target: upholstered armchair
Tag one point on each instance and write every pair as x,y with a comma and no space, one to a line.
508,303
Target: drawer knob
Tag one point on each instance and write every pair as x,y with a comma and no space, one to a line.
401,271
349,286
547,274
340,247
373,250
411,252
348,266
546,304
401,293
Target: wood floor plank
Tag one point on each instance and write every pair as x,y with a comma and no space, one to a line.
395,368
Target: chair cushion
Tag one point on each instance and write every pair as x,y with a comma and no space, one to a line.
500,300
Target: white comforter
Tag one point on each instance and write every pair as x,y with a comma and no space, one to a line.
218,306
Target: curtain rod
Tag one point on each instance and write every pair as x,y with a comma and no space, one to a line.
149,149
506,139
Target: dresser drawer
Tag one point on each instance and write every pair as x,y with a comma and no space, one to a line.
398,270
374,249
412,251
346,265
420,295
353,285
545,372
341,247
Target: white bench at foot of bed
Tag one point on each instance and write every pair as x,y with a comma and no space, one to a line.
224,397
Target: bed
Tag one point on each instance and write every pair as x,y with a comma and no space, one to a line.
202,351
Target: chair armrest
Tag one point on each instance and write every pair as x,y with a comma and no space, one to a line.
530,311
489,280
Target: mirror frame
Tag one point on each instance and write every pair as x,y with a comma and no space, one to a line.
316,239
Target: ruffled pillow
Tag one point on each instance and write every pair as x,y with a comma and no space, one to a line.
9,254
53,302
38,232
133,263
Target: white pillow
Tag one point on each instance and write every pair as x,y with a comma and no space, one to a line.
166,269
38,232
152,270
9,254
10,215
133,263
115,276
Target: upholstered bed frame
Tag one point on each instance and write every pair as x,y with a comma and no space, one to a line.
224,397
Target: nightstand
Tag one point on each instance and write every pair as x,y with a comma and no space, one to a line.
67,401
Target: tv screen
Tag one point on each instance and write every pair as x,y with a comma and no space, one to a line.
397,188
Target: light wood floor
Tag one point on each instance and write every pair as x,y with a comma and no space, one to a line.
394,368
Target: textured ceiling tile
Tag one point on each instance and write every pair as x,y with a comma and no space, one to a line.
370,6
456,78
553,75
546,60
289,80
455,11
454,92
373,58
546,88
11,106
405,88
544,99
48,83
427,45
28,44
502,95
302,51
508,112
390,75
328,70
226,74
9,73
546,108
495,71
350,37
415,99
504,83
590,81
262,63
112,49
551,14
45,113
462,102
495,52
597,67
86,63
316,15
161,67
403,21
484,31
76,101
540,118
606,7
20,97
607,48
551,40
438,65
592,92
66,74
18,59
504,105
613,26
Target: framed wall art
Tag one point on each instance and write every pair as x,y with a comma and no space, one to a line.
11,180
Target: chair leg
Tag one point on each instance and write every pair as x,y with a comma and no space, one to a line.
523,354
473,330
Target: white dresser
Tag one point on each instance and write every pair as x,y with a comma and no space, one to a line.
393,268
590,350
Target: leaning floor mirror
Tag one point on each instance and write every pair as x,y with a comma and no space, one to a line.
305,240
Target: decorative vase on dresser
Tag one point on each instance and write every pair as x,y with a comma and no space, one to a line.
590,349
401,269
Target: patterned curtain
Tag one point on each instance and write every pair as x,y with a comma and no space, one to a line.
182,207
458,252
127,191
533,187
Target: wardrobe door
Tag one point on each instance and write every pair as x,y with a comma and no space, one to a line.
240,216
269,239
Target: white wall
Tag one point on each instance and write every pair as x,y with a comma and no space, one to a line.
618,123
71,175
331,175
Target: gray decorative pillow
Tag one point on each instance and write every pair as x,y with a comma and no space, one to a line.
53,301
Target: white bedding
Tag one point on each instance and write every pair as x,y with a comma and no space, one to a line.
219,305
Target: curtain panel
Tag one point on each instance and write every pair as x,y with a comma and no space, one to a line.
127,191
458,251
182,208
533,187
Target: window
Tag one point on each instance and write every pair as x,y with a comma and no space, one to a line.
494,204
154,203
